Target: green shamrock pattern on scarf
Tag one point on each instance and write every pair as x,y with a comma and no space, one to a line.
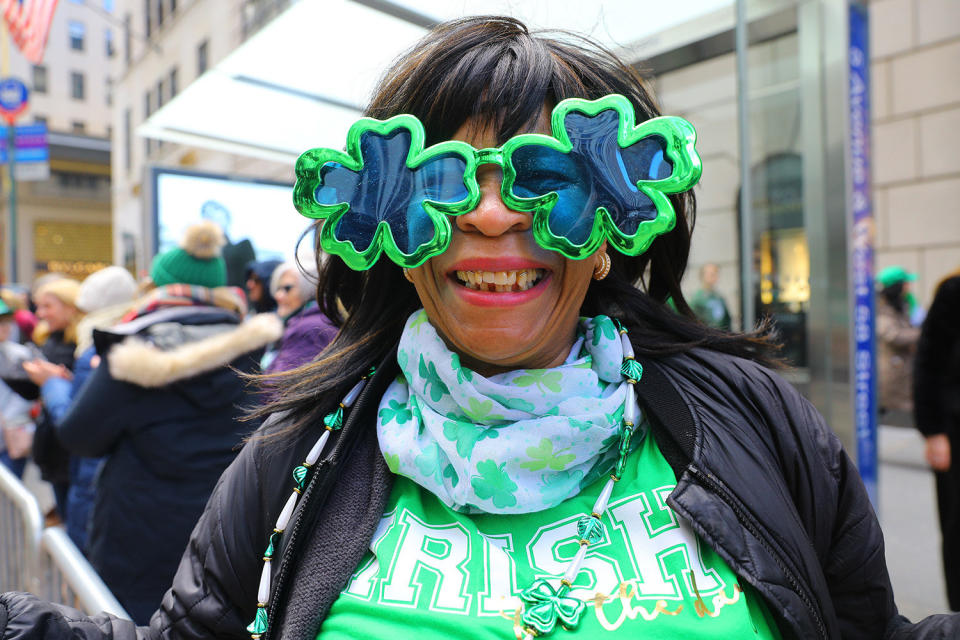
515,442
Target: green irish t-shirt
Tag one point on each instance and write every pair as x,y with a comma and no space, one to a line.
434,573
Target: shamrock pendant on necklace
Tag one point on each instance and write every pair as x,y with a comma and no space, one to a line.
544,607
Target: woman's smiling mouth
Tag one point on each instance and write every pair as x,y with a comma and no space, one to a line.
500,281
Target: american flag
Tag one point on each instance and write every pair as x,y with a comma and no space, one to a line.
29,23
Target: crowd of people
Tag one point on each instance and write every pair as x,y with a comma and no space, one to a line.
130,396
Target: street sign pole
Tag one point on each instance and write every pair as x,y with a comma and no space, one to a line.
13,102
11,155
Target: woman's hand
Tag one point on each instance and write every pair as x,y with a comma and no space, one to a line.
39,371
938,452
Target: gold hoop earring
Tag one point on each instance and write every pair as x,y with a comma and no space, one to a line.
406,274
602,268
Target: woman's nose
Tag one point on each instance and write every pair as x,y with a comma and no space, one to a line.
492,217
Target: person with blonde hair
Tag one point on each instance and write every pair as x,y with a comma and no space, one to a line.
56,300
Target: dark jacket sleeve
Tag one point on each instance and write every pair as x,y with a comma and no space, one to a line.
842,524
937,351
89,429
214,590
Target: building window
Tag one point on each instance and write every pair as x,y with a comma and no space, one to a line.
78,127
159,93
202,57
77,32
174,88
76,85
127,134
108,6
159,13
148,18
39,79
108,42
173,6
109,91
39,119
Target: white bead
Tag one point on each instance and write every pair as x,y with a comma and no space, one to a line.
601,504
574,567
287,512
630,406
352,395
314,454
627,347
263,592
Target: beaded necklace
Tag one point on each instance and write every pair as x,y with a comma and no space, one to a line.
544,606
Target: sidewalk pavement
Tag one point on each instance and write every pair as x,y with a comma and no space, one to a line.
908,515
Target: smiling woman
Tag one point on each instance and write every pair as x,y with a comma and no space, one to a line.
519,416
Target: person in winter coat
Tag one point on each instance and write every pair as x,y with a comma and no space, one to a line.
163,407
503,441
16,424
896,342
56,301
936,401
258,285
104,297
306,330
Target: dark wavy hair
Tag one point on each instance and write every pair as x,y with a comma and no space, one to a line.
494,70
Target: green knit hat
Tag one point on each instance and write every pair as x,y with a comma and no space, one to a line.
196,261
892,275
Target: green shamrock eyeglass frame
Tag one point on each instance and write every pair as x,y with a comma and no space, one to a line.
387,187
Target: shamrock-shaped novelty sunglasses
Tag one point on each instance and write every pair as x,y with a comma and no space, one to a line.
598,177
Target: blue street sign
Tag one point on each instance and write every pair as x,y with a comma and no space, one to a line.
30,143
862,257
13,96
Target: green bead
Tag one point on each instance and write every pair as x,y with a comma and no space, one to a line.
334,420
370,373
272,544
590,529
625,436
631,369
299,474
259,625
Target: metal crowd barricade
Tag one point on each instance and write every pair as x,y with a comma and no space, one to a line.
66,576
21,524
45,561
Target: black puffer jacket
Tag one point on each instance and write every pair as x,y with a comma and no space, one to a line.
760,478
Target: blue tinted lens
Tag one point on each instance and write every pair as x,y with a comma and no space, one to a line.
385,189
541,170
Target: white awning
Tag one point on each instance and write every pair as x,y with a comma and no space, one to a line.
304,78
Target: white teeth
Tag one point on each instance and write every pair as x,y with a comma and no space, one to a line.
500,281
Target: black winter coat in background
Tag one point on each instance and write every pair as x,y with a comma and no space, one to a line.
936,392
936,387
760,478
164,409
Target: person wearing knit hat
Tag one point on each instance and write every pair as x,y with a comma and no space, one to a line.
896,344
197,261
105,296
172,379
107,287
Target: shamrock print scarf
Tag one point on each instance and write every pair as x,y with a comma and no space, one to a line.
516,442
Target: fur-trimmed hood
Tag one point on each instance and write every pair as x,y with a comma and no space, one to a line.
142,363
